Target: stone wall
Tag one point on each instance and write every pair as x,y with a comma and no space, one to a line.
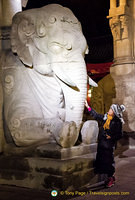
10,7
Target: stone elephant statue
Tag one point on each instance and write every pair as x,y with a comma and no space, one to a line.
44,77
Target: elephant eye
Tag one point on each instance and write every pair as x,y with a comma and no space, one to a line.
64,19
68,20
52,19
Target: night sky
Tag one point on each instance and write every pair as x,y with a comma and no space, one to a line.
92,15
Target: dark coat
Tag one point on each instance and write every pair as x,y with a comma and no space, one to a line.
105,159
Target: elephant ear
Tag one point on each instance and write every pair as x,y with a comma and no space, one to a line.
21,35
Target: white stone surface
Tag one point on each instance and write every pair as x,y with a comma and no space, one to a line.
45,84
24,3
89,132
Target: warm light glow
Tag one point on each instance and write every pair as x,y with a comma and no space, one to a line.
89,92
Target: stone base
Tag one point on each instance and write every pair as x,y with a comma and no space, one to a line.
55,151
130,139
125,143
51,168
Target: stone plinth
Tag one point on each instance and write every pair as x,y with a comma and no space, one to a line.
51,167
55,151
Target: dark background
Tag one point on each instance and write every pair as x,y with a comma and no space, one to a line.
92,15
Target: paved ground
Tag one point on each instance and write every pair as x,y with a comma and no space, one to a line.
124,188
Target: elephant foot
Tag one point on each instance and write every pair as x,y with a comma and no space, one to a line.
89,132
30,131
68,135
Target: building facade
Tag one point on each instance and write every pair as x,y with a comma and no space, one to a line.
122,24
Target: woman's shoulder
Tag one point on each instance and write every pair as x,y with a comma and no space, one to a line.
116,120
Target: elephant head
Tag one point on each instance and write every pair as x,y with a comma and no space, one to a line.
50,41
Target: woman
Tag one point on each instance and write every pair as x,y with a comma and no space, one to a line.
109,133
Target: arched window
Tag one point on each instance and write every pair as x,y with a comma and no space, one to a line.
118,3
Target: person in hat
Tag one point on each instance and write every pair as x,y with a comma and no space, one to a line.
110,131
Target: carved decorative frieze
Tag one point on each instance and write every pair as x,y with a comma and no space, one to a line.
120,27
5,33
124,26
9,83
115,27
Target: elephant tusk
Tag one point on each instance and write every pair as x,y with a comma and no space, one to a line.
91,82
60,74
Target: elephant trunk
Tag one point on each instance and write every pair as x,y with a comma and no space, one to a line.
76,95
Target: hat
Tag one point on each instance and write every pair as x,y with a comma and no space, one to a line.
118,110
